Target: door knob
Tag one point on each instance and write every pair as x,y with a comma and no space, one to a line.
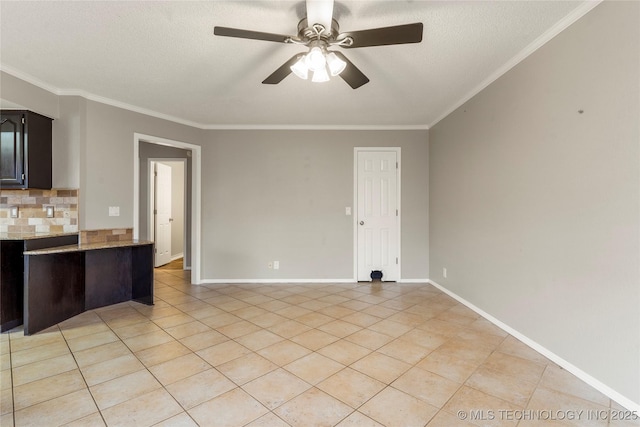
361,222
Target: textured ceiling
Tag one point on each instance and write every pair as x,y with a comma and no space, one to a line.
163,57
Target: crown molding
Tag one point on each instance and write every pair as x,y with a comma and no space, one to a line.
133,108
548,35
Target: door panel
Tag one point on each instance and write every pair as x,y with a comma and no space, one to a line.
163,214
377,220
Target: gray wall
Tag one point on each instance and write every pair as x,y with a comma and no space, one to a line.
534,207
281,195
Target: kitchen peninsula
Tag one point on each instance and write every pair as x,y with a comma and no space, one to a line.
63,278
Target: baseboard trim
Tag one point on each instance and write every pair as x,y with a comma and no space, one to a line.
593,382
425,281
177,256
274,281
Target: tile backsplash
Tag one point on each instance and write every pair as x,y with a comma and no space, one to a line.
106,235
32,211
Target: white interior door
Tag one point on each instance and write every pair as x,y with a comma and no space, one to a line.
377,218
162,214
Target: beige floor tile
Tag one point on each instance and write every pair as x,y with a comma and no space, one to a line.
351,387
259,339
136,329
313,408
179,368
336,311
276,388
234,408
268,420
93,420
392,407
356,305
425,339
289,328
501,385
558,379
159,312
203,340
148,409
314,368
445,419
121,389
480,408
284,352
43,352
43,369
544,399
293,311
249,312
58,411
162,353
101,353
314,339
412,320
82,330
426,386
314,319
25,343
405,351
203,313
6,401
220,320
175,320
110,369
131,319
357,419
46,389
381,367
268,319
524,369
440,327
369,339
223,352
6,420
517,348
246,368
238,329
233,305
199,388
344,352
339,328
152,339
88,341
274,305
448,365
390,327
181,420
6,380
361,319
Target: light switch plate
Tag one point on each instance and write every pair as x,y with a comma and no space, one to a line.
50,211
347,210
114,210
13,212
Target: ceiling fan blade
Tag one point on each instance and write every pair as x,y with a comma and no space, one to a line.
399,34
320,12
351,74
285,69
247,34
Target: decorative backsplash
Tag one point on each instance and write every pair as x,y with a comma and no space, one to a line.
106,235
32,206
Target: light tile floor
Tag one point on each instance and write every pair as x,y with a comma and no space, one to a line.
287,355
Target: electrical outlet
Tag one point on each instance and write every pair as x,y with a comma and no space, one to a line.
13,212
444,272
51,211
276,265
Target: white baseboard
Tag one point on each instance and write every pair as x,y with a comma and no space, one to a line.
593,382
272,281
414,281
177,256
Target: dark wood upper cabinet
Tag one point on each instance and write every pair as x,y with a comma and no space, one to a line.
25,150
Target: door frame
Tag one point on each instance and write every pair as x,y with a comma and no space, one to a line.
151,199
357,150
196,203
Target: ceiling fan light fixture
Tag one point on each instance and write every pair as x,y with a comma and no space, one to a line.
316,59
300,68
336,65
320,76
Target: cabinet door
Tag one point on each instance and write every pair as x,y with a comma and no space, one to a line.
11,150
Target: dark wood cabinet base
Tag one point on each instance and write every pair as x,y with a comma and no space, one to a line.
61,285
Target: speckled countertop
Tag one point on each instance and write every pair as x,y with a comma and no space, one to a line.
88,247
33,235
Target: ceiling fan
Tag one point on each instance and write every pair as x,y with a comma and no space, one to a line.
319,32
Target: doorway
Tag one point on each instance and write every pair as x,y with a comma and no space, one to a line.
167,209
194,196
377,219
